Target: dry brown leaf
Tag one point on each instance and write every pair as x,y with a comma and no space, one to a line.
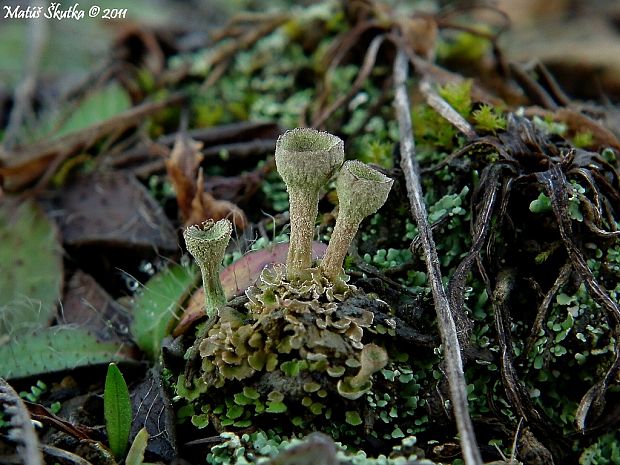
182,166
196,205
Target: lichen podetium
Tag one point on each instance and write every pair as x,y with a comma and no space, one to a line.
207,243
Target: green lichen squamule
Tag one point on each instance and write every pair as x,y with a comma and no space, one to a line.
362,190
306,159
207,243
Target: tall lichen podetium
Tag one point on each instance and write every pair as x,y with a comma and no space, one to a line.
306,159
362,190
207,243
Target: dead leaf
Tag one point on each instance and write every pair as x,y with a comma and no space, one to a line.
154,411
196,205
205,206
182,166
111,209
89,306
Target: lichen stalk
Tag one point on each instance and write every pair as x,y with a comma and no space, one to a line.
303,208
214,293
342,236
207,244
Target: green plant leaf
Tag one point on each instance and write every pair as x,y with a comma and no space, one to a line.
135,456
30,269
54,349
99,106
159,304
117,411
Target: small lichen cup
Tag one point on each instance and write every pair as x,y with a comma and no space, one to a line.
306,159
373,358
207,243
362,190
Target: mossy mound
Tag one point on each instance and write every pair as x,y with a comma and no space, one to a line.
307,355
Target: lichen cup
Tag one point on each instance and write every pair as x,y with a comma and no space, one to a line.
207,243
362,190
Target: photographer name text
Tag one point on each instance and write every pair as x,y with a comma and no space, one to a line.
59,12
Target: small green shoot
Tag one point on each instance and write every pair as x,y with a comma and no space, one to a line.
583,139
135,456
541,205
117,411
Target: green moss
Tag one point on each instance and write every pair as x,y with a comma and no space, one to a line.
464,46
605,451
583,139
458,95
489,119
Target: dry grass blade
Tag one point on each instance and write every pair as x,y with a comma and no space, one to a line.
39,413
19,168
515,391
554,183
543,308
447,327
480,233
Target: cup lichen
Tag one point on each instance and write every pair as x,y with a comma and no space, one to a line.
207,243
362,190
306,159
297,341
372,359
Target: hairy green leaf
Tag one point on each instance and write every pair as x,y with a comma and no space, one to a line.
54,349
30,269
117,411
158,306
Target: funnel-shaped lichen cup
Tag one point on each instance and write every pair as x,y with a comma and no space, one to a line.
362,190
207,243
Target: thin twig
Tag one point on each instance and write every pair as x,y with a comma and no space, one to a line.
447,327
367,67
23,166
